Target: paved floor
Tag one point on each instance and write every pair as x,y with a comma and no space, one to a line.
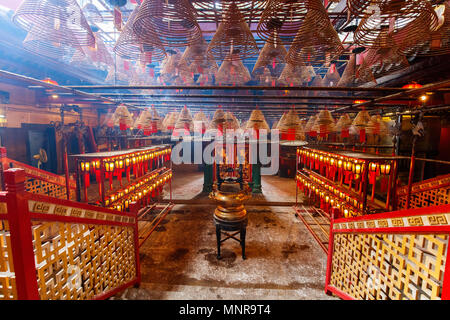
178,261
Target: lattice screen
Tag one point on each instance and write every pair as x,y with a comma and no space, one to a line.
7,277
389,266
80,261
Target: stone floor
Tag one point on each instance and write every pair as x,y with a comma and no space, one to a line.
179,261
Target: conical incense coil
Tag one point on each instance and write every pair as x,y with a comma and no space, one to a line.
55,20
123,72
199,59
316,41
218,120
129,46
377,126
284,18
291,75
200,122
156,124
310,124
98,56
122,117
233,38
174,70
385,17
324,123
232,72
362,119
145,122
342,126
428,41
172,119
231,122
40,44
257,121
332,77
265,78
289,126
318,82
348,77
272,56
184,121
170,22
92,13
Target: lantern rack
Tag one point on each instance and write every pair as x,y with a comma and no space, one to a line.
341,179
142,168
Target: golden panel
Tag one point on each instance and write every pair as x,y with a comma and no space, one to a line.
46,188
389,266
7,276
80,261
427,198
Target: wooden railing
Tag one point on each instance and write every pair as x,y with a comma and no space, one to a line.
395,255
40,181
58,249
431,192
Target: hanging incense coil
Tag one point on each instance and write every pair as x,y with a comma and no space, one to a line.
144,122
284,18
386,17
292,75
175,71
290,126
218,120
92,13
348,78
55,20
156,124
272,56
265,77
428,41
172,119
200,122
184,121
98,56
257,121
199,59
212,10
324,123
332,77
376,126
170,22
232,72
310,124
316,40
233,38
343,123
231,122
318,82
123,118
40,44
129,46
123,72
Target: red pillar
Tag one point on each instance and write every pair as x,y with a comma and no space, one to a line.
21,236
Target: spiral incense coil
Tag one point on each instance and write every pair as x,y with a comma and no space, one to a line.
170,22
172,119
284,18
233,38
198,59
212,10
310,123
348,78
122,72
175,71
316,41
156,120
40,44
184,121
343,123
122,117
129,46
272,56
265,77
275,124
99,55
290,126
292,75
376,126
430,41
318,82
385,18
231,123
362,120
324,123
60,21
232,72
143,121
257,121
218,119
332,77
92,13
